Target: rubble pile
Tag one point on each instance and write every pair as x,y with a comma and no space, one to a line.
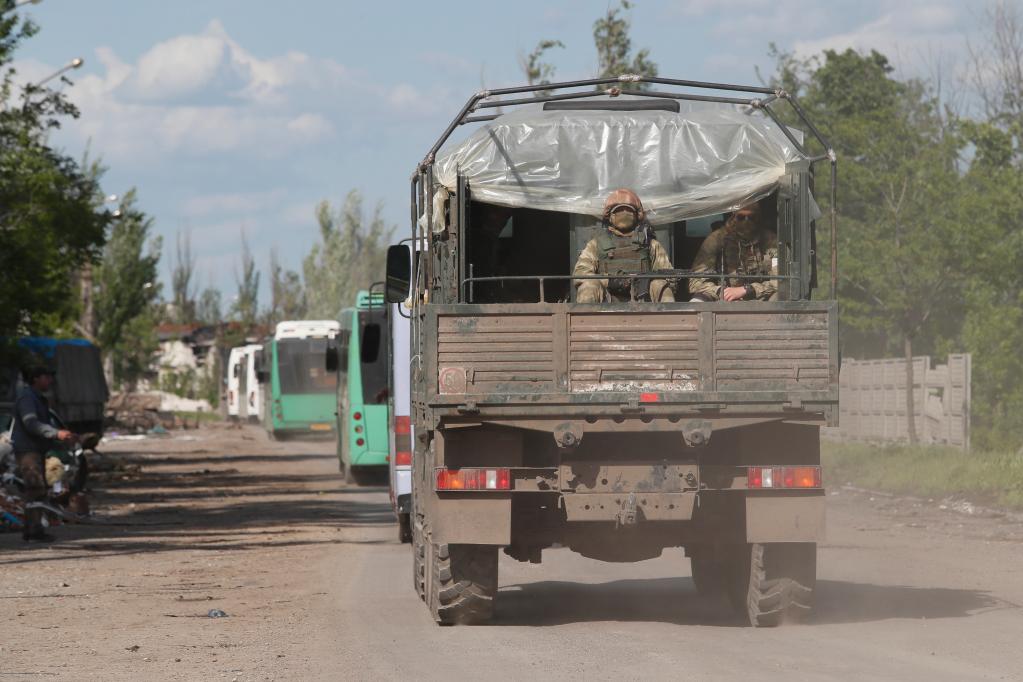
138,413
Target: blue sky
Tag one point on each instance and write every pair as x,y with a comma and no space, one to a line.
232,115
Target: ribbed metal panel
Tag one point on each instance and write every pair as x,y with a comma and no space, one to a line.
616,351
495,354
770,351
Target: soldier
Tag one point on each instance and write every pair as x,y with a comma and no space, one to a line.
627,247
33,435
742,247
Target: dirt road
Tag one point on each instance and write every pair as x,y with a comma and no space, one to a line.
315,586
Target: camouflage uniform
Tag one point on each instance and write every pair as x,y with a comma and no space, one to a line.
725,250
615,252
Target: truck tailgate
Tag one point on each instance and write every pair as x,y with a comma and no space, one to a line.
734,353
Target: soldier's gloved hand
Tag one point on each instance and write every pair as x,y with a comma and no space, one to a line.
619,286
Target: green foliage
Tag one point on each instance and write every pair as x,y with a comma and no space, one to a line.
127,294
209,310
48,221
351,256
181,383
246,303
210,380
983,477
287,298
614,47
536,70
930,240
181,281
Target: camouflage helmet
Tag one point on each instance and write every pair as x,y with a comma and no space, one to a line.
623,197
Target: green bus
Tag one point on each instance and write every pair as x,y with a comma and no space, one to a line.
299,391
362,390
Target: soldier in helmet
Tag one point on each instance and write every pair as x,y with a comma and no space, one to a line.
744,246
627,247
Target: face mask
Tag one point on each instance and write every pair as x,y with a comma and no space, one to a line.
623,221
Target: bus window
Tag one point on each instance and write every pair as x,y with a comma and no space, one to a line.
301,367
373,358
370,343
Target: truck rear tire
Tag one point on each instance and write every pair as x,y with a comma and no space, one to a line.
404,529
709,572
462,583
774,583
418,561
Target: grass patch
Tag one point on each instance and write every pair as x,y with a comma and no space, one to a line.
207,417
986,478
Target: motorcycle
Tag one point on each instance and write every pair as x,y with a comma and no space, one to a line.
65,496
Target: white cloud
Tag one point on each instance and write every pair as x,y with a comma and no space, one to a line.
203,95
230,203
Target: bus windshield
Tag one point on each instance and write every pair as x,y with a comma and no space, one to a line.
373,356
301,366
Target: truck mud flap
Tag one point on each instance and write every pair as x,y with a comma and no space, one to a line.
785,519
471,519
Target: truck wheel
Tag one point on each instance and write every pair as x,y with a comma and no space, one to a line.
708,572
419,561
462,583
774,582
404,529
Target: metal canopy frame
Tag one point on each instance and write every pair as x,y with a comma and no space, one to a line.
762,98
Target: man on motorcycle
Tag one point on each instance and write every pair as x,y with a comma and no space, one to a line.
33,435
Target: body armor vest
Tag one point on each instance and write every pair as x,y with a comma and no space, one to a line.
742,257
623,255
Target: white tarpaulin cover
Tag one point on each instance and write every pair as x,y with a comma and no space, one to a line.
707,159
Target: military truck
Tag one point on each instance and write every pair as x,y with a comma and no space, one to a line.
616,430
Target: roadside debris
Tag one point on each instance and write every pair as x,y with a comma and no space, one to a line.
216,613
147,413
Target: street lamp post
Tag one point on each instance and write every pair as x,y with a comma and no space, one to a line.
75,63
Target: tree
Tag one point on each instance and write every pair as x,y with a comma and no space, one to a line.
535,69
997,67
209,309
127,294
901,239
614,47
48,220
287,299
181,281
350,256
246,304
993,325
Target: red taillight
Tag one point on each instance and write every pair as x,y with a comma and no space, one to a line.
784,477
403,459
357,416
473,479
402,426
360,442
755,477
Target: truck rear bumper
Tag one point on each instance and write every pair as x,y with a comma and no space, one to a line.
774,517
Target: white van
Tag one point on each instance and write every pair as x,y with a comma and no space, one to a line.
237,383
400,426
253,396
